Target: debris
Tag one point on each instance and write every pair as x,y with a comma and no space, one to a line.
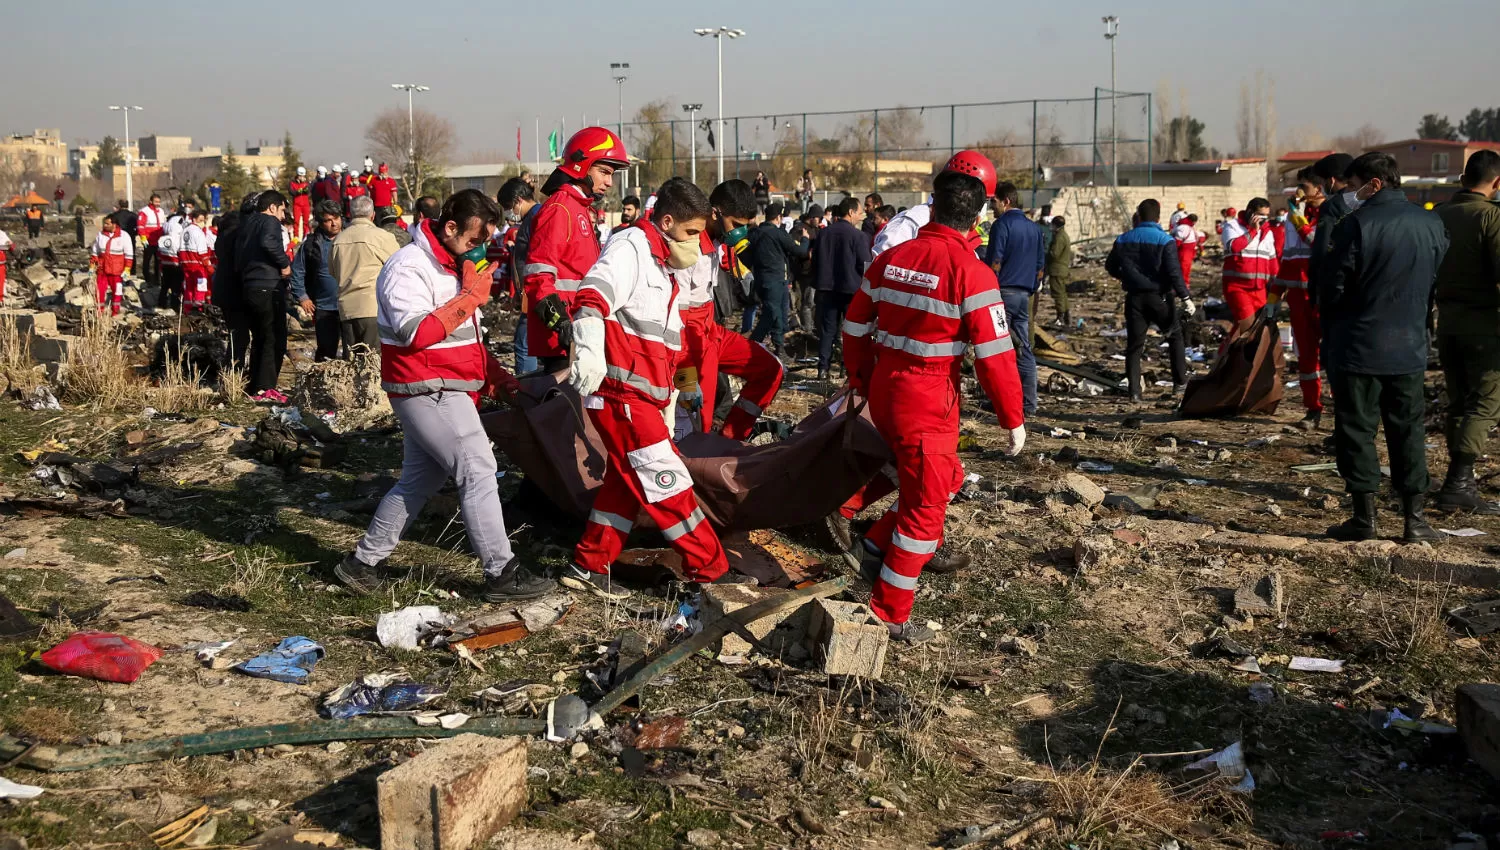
16,791
659,734
291,661
101,655
1136,499
1090,553
1366,686
1018,645
1248,664
1262,442
1229,763
848,639
720,600
1451,532
882,803
1059,433
1096,466
41,399
566,716
154,577
1315,665
1315,467
215,602
1478,710
454,720
379,693
178,832
407,627
508,625
208,654
1262,693
454,796
1397,719
16,554
1479,618
1262,599
578,750
1025,833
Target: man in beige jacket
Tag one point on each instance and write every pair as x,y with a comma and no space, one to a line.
355,260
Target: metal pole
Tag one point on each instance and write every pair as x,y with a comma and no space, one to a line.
538,139
875,142
952,131
1094,158
693,146
1148,139
739,164
1114,126
1033,153
129,174
719,140
804,145
411,129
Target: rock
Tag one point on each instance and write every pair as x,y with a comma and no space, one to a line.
1271,508
1262,599
38,275
1091,553
1220,455
246,467
702,838
1066,454
33,322
1128,537
1081,489
112,738
454,796
1019,646
79,297
1448,565
1136,499
1253,544
881,803
51,349
736,732
16,554
337,746
847,639
1169,532
578,750
722,599
1478,709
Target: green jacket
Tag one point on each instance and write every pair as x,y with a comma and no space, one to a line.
1468,281
1059,254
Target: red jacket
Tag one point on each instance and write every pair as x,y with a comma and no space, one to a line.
148,223
354,188
300,189
383,191
415,281
631,289
326,189
1251,260
921,304
563,248
1294,251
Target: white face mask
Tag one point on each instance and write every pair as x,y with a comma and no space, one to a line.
1352,199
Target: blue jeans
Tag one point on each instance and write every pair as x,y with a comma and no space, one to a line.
524,361
774,297
831,307
747,321
1018,315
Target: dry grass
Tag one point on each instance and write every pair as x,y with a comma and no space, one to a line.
232,383
17,371
98,375
1414,628
46,724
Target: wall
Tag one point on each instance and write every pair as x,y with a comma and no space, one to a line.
1094,212
1415,158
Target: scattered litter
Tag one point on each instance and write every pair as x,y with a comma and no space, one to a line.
1397,719
186,830
507,625
1229,763
1194,482
101,655
512,697
1115,334
1059,433
379,693
16,791
1479,618
291,661
1248,664
684,621
454,720
1095,466
41,399
1451,532
208,653
1092,389
1261,442
1315,665
1196,355
1315,467
215,602
407,627
1261,693
1119,357
566,716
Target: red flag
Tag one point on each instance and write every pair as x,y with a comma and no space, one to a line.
518,143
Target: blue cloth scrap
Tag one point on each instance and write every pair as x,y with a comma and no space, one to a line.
291,661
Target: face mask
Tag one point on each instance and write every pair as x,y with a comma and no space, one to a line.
684,254
1353,200
474,255
738,238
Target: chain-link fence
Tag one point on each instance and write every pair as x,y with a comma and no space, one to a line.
895,151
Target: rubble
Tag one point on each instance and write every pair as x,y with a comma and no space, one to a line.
455,796
1082,490
848,639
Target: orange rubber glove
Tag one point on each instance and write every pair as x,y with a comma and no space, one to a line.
499,383
474,290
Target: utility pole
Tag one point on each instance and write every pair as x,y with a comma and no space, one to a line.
718,34
621,74
692,110
411,136
129,174
1112,29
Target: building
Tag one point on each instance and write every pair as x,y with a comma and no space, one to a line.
43,151
1093,210
164,148
1291,162
1433,159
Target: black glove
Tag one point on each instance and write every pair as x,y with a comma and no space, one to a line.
554,314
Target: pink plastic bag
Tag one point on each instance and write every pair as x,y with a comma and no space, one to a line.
101,655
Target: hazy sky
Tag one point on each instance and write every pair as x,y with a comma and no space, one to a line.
235,70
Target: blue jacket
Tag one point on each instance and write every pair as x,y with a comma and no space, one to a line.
310,275
1016,244
841,257
1144,259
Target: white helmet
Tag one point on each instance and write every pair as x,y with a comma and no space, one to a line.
369,164
338,168
322,171
301,172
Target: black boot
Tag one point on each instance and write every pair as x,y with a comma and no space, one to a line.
1361,526
1311,421
838,529
1460,491
516,583
359,576
1417,529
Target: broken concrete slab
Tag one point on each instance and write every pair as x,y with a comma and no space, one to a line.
38,275
1091,553
51,349
455,796
722,599
1171,532
848,639
1478,709
32,322
1450,565
1080,489
1264,598
1253,544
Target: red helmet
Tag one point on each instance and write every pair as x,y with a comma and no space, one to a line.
974,164
383,168
591,145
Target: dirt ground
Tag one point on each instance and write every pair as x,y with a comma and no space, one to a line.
1071,681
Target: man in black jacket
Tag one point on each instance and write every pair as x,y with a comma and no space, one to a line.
1331,171
263,268
1145,262
843,255
771,252
1376,291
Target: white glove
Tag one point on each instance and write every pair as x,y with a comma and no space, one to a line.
1017,440
588,355
1188,307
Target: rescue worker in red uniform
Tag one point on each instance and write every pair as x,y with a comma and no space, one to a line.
326,187
300,191
111,257
627,343
1249,260
148,226
6,247
711,348
197,263
383,192
354,187
922,304
564,245
1294,252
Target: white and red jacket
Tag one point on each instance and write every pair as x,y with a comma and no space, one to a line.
355,187
383,191
922,303
1249,257
415,281
301,190
696,283
194,253
5,248
632,289
149,222
1294,248
112,253
169,241
562,250
1185,233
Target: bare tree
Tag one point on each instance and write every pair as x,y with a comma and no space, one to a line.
1255,126
1363,138
650,137
419,150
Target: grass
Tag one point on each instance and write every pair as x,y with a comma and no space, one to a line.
17,370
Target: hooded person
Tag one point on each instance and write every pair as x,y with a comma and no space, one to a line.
563,246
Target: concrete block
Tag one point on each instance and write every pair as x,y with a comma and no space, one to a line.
1167,532
38,275
455,796
1478,708
33,322
1264,598
1447,565
848,639
51,349
722,599
1253,544
1081,489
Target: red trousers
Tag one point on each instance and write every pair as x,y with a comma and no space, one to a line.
924,438
645,474
195,287
1307,331
111,291
1244,299
301,215
2,281
714,349
1186,252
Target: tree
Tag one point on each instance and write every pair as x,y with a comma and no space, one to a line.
651,139
291,158
235,182
1362,139
1255,125
418,150
109,154
1434,126
1181,140
1481,126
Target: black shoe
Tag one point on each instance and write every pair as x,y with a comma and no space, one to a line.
946,561
358,576
1460,492
599,584
1311,421
822,374
1362,525
1417,529
839,530
1136,398
1178,390
516,583
910,633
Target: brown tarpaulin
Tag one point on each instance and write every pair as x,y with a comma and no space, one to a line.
1245,379
827,458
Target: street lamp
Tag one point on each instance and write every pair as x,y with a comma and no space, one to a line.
129,177
1112,29
718,34
692,110
411,131
621,72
